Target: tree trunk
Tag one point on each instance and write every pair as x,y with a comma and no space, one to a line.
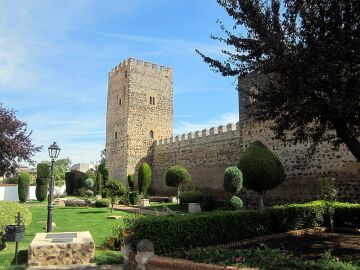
112,207
261,201
345,134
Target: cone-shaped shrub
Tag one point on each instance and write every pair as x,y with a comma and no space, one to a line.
144,177
41,192
261,169
131,181
69,183
23,186
98,183
42,170
233,180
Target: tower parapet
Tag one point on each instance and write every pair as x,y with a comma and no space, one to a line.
200,135
148,66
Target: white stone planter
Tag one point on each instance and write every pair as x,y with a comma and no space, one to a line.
144,203
173,199
98,197
194,208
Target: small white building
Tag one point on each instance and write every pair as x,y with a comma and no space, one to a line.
84,167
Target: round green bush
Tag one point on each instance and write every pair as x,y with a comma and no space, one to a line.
233,180
236,202
88,183
177,176
89,192
8,214
102,203
41,192
261,169
42,181
43,170
131,181
191,196
23,186
144,177
134,197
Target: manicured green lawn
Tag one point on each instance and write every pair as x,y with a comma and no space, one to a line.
69,219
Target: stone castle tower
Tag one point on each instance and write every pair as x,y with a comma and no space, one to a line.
139,112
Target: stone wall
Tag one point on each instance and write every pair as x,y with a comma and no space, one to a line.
204,153
207,153
133,122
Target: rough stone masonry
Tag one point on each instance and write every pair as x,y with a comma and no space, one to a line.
139,128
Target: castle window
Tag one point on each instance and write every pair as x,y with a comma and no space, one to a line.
151,134
126,73
119,101
152,100
115,135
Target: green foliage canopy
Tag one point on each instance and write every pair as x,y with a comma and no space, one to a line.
261,169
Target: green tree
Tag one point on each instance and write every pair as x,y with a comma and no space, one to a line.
23,186
144,177
98,183
131,181
177,176
15,142
114,190
61,166
262,170
309,54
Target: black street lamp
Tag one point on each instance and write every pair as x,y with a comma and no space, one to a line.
54,151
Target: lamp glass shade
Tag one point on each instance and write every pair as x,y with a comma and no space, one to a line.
54,150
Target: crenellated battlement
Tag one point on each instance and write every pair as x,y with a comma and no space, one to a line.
142,64
200,134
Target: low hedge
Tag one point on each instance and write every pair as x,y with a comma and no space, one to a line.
8,214
102,203
169,233
191,196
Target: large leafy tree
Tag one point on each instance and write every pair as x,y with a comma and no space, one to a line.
15,142
61,166
309,53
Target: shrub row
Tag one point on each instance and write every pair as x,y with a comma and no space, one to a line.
8,214
172,232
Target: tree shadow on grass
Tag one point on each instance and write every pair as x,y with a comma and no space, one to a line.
22,259
92,212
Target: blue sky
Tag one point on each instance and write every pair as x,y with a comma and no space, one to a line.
55,56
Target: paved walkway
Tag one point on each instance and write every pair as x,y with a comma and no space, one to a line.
81,267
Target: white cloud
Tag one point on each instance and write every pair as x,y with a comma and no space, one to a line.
185,127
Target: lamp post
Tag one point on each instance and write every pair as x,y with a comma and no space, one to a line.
54,151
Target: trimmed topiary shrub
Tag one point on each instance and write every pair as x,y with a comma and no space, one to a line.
89,192
233,180
191,196
42,181
177,176
8,214
43,170
23,186
98,183
102,203
144,177
236,203
105,175
134,197
131,181
70,182
41,192
88,183
261,169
